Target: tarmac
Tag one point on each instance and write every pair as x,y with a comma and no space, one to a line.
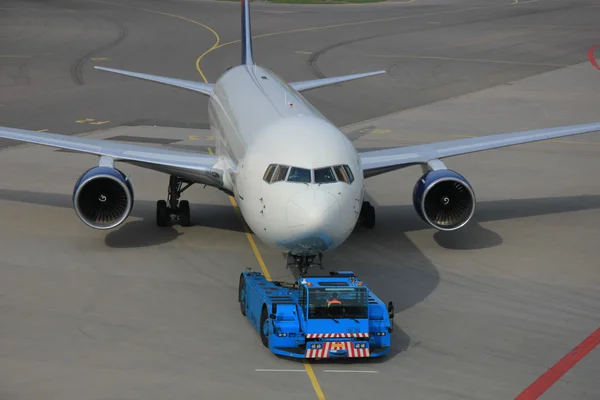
152,313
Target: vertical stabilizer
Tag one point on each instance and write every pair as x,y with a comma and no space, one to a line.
247,56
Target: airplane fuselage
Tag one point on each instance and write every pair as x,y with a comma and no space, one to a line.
285,163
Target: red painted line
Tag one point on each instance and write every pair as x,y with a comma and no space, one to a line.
592,58
549,378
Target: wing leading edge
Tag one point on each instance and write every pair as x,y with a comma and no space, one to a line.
380,161
199,167
317,83
204,88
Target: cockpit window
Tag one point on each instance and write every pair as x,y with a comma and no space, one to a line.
300,175
269,173
349,173
280,173
341,174
324,175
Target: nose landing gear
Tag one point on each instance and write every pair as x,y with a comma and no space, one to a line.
173,209
304,262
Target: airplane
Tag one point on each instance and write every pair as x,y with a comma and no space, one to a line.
297,179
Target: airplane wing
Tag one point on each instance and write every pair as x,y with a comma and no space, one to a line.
204,88
380,161
202,167
317,83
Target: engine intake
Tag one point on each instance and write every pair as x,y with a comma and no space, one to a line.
103,197
444,199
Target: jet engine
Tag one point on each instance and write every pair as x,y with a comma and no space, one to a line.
103,197
444,199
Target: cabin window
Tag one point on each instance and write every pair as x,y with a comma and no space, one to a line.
300,175
349,173
324,175
280,173
269,173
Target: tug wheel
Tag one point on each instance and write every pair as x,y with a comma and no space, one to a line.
264,327
242,294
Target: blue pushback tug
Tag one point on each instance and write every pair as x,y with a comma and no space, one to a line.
334,316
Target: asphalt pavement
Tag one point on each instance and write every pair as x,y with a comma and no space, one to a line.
152,313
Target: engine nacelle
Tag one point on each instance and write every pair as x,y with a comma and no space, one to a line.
444,199
103,197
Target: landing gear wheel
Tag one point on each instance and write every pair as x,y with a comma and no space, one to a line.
242,294
173,208
184,213
264,328
304,262
367,214
162,213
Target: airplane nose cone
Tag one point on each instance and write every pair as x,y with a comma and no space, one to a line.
312,212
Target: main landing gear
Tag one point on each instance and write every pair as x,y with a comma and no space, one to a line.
174,209
303,263
367,215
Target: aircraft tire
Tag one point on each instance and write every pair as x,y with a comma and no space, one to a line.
184,213
368,215
162,213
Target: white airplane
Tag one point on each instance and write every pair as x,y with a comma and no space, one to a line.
298,180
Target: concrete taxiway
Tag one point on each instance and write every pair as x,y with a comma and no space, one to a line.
148,312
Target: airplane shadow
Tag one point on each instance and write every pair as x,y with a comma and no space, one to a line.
473,236
141,233
393,220
144,232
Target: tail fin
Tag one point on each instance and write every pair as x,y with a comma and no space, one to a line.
247,56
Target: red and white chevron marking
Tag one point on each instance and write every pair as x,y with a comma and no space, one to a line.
323,352
335,335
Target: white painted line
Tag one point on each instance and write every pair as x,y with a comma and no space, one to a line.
279,370
350,370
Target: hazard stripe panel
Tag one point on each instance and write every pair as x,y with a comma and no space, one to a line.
323,352
335,335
